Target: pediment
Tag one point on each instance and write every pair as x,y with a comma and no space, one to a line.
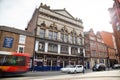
64,12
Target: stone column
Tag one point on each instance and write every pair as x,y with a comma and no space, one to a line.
51,64
38,31
69,50
46,33
63,64
36,45
78,50
59,38
46,46
59,46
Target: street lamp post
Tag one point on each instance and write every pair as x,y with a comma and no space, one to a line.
81,54
108,61
34,53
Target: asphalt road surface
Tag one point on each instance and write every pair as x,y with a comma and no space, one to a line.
57,75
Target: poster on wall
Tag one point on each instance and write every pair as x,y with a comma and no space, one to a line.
8,42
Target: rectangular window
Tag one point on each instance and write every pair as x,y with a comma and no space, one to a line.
52,47
9,60
118,28
62,37
64,49
22,39
8,42
93,53
70,39
21,49
55,36
79,41
93,45
50,35
42,33
65,38
76,40
74,50
73,40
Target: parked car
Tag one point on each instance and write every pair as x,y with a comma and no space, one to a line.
116,66
99,67
72,69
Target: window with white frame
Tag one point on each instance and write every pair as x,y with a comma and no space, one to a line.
21,49
22,39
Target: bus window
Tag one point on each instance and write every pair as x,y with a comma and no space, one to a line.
2,58
20,61
8,60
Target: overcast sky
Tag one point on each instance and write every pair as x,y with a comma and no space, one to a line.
94,13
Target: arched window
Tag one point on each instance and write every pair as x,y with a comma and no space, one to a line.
73,37
53,32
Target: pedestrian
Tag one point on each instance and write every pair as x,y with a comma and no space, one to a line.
34,66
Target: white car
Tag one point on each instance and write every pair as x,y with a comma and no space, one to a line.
73,69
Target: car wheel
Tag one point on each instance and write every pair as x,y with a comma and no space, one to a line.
75,72
104,69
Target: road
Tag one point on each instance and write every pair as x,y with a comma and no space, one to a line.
56,75
50,73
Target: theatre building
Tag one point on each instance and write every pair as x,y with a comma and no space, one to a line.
59,38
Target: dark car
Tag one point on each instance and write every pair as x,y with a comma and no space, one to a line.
99,67
116,66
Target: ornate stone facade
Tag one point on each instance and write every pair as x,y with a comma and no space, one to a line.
59,38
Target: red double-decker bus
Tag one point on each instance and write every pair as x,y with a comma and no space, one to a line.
12,63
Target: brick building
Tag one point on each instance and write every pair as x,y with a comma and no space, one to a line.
95,48
15,40
115,21
59,38
109,40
